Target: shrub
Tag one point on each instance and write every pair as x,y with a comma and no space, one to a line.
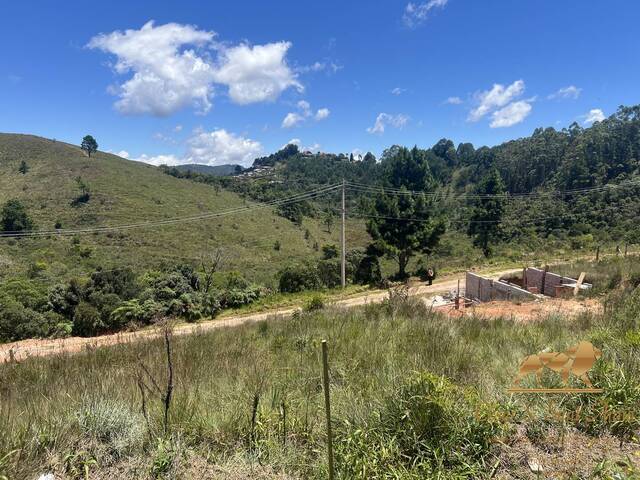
368,271
112,424
86,320
14,218
329,251
316,303
296,278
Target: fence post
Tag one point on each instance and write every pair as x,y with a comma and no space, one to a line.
327,405
598,254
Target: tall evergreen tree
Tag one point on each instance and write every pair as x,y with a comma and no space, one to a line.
403,225
485,226
14,218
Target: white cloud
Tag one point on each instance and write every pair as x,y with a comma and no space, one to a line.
159,160
415,14
304,107
567,92
322,114
497,97
256,73
329,66
292,119
594,115
220,147
171,69
166,75
384,119
177,128
217,147
121,153
510,115
293,141
453,101
398,91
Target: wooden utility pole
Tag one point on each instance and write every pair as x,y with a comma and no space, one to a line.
327,405
343,263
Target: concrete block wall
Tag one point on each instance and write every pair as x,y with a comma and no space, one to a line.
534,279
485,290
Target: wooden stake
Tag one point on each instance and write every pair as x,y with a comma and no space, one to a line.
579,283
598,254
626,248
327,406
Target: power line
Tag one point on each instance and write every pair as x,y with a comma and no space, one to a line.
561,193
172,221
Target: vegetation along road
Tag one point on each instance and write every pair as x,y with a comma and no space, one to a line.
28,348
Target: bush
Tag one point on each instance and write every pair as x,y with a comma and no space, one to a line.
86,320
368,271
112,424
18,322
316,303
14,218
329,251
296,278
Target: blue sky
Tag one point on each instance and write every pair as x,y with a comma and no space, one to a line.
213,82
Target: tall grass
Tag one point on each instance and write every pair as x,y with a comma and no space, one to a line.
86,409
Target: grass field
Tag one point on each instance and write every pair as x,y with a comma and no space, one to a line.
414,395
123,192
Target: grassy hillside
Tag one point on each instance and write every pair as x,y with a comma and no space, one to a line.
123,192
413,395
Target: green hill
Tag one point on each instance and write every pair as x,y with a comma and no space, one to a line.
124,192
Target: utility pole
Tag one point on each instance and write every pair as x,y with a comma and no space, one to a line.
343,263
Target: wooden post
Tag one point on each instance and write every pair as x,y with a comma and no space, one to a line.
524,278
579,283
327,406
598,254
626,249
458,296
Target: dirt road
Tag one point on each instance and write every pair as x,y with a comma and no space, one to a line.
30,348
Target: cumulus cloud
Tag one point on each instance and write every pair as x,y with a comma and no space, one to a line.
510,115
293,119
417,13
171,68
497,97
220,147
594,115
158,160
217,147
571,91
383,119
322,114
453,101
256,74
166,76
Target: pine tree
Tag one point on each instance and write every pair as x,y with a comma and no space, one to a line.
485,226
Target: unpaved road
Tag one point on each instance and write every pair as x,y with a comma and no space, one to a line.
32,348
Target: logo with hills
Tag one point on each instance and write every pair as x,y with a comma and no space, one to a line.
576,360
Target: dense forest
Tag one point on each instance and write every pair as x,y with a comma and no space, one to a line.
575,184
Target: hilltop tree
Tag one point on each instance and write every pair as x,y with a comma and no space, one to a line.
24,168
14,217
485,226
403,225
407,168
89,145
